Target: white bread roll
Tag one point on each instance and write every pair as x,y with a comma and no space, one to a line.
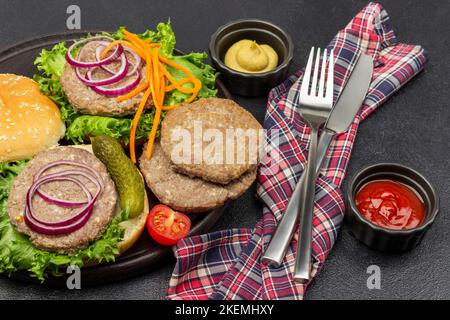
30,122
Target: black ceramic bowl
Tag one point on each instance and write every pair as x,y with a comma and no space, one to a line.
263,32
384,239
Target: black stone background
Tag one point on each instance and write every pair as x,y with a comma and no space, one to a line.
412,128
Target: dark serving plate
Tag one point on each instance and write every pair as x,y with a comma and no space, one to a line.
145,254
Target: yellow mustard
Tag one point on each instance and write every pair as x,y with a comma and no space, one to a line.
248,56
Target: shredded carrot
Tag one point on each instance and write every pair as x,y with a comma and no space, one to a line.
133,92
157,82
162,90
197,87
177,84
197,83
155,124
135,124
173,106
133,37
181,82
149,67
177,66
141,108
136,49
156,78
151,138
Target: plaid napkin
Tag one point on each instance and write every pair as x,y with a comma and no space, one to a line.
227,264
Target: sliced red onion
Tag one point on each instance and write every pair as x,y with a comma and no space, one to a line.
68,221
118,91
66,203
80,218
136,63
101,86
77,63
95,43
45,180
52,230
59,177
116,77
68,163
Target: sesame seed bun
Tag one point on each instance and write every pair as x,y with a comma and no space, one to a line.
134,228
30,122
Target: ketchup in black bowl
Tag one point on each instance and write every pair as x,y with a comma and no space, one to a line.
390,204
390,207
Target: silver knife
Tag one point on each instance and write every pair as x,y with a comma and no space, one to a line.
341,117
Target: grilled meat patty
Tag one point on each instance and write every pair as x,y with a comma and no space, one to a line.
188,194
212,116
103,211
87,101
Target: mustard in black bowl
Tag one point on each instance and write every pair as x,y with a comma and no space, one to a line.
390,207
264,40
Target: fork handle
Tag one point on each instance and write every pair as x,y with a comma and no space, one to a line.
302,266
279,243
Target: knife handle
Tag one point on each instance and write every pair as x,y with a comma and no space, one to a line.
279,243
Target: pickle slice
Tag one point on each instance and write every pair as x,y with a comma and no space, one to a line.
124,173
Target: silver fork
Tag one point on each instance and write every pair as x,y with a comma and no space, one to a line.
315,105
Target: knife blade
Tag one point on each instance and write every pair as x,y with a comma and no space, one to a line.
347,106
341,117
351,96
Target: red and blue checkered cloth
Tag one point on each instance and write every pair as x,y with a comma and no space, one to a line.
227,264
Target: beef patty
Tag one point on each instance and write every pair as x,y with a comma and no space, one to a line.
103,211
188,194
87,101
216,117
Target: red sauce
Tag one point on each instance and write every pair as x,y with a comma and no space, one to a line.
390,204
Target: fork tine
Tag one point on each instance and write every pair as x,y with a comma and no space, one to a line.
307,75
316,74
330,81
322,74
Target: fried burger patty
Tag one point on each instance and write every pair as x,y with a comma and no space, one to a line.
188,194
219,115
104,207
87,101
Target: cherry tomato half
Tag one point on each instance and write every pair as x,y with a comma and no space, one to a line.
167,226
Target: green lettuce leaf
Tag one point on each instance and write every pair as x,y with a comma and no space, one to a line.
164,35
79,127
85,125
18,253
8,172
194,62
50,63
